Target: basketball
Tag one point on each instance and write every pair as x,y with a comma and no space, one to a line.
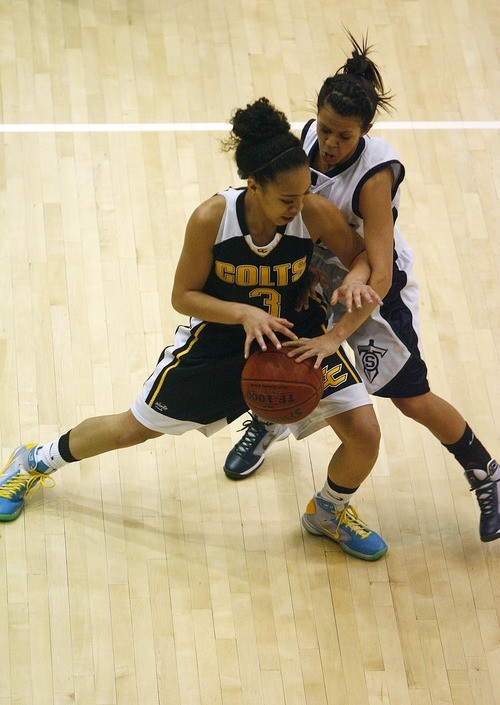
279,389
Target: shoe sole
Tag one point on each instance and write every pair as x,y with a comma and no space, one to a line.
247,473
319,532
11,517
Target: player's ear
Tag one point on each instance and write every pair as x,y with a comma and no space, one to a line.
252,185
368,129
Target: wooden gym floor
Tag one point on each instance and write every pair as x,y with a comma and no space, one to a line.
145,577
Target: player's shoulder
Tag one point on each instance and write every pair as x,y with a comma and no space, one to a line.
210,211
308,133
378,149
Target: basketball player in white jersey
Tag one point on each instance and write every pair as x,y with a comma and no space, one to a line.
362,176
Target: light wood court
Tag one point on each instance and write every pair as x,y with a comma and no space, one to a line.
145,577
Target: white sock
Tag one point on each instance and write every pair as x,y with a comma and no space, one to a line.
47,457
340,500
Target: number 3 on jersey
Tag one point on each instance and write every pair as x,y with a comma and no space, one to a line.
271,300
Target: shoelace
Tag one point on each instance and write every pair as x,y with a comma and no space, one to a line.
253,428
486,499
349,517
18,483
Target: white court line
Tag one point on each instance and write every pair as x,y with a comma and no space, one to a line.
225,127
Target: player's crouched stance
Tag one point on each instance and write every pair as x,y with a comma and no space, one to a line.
238,278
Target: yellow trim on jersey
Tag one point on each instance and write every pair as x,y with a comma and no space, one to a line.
347,363
343,358
174,365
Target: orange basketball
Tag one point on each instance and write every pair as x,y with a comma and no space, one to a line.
279,389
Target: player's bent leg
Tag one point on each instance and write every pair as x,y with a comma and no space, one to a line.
435,413
250,452
481,470
359,432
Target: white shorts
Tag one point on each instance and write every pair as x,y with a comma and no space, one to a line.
387,348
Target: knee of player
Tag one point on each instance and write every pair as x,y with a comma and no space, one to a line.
365,439
411,407
370,437
132,432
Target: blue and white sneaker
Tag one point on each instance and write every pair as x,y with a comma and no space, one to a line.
20,478
249,453
344,527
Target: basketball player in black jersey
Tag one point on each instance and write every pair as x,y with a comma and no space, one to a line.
240,274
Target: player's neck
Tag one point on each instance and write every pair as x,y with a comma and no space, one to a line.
261,229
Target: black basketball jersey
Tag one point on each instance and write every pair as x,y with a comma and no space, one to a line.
270,277
198,377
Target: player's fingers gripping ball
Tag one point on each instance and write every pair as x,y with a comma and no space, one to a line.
279,389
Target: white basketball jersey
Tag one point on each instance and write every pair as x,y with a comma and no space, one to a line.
387,345
342,185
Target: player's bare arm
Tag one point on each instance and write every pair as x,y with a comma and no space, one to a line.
360,298
325,222
378,228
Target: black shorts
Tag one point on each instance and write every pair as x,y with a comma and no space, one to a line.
197,381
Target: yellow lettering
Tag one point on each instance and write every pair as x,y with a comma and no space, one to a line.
265,276
250,275
282,273
332,376
247,275
271,300
225,271
298,268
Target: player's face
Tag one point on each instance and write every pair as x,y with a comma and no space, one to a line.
282,199
338,137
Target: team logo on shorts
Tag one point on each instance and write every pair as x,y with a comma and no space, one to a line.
370,357
160,406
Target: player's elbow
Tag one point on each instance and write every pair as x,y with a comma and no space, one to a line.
178,301
381,282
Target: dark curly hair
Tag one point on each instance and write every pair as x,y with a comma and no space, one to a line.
264,146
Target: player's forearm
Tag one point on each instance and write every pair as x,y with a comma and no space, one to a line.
208,308
360,271
350,322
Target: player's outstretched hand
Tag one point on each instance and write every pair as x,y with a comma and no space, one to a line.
354,294
260,325
304,348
